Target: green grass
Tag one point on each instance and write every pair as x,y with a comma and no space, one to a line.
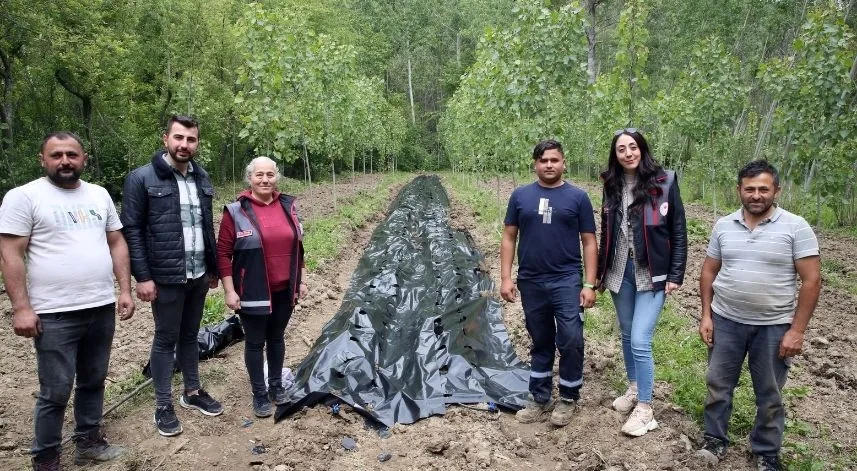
833,273
697,231
116,391
215,310
325,236
486,209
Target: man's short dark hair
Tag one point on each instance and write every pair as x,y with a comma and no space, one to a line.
546,145
61,135
755,168
186,121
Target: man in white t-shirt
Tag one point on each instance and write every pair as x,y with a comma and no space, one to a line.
60,246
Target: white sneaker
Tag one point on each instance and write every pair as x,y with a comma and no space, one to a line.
626,402
640,422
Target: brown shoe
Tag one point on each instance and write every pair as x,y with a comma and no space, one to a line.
534,412
563,412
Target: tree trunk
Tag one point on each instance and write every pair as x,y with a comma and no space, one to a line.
7,115
411,89
458,49
86,109
333,173
307,174
765,131
590,37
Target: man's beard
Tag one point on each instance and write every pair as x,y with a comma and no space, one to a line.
61,180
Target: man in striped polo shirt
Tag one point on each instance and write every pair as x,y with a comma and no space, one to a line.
748,286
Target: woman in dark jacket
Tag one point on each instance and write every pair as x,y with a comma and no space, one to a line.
260,259
642,258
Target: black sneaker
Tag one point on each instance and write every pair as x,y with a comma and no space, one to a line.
768,463
93,449
202,402
262,406
712,451
277,394
166,421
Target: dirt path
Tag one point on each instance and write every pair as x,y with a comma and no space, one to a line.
463,438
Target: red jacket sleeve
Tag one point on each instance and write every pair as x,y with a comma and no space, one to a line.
225,245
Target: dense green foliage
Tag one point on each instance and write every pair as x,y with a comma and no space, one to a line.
713,84
363,85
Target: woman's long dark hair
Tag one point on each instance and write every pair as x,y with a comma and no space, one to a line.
647,172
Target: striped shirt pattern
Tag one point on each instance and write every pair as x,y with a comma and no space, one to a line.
757,282
191,212
615,274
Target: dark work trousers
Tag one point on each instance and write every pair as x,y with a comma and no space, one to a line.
554,320
73,350
267,332
177,311
761,345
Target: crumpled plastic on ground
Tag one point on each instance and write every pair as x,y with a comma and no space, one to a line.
419,327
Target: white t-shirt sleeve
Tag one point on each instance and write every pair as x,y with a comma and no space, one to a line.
113,222
16,214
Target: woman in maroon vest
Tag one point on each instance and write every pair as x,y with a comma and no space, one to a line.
260,258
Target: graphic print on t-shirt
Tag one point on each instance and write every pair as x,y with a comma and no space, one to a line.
76,217
545,210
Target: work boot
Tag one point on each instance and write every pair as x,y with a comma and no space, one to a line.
563,412
42,463
93,448
712,451
768,463
534,412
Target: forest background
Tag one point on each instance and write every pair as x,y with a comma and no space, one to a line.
329,86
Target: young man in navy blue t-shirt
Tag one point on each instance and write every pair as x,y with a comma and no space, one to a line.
552,218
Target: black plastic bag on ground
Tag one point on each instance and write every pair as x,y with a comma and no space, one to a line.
211,339
419,326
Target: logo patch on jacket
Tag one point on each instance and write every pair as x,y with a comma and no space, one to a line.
248,233
664,208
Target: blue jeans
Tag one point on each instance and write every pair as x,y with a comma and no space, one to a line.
266,332
177,312
638,313
554,320
761,344
73,350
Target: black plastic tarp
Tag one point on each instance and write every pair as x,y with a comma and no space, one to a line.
419,326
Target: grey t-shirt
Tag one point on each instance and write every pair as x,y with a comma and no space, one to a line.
757,281
69,266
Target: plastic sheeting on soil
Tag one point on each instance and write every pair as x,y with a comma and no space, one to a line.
419,326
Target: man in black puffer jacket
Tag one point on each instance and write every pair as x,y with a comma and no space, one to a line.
167,219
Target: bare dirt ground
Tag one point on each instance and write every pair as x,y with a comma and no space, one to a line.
461,439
